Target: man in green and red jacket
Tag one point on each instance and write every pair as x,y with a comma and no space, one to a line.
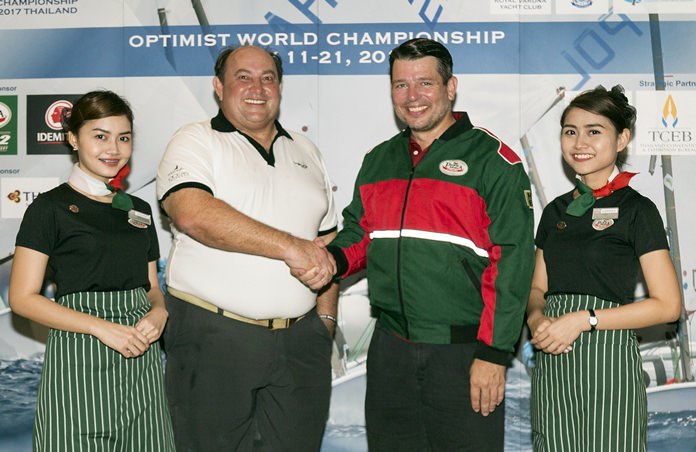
441,218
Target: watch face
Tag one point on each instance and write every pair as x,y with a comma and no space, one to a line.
593,321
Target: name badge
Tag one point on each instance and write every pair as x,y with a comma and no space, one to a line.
607,213
139,219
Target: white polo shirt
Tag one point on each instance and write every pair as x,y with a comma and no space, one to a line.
287,189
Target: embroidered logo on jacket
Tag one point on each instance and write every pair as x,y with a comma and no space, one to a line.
454,167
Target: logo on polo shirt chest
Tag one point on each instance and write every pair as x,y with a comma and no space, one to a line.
454,167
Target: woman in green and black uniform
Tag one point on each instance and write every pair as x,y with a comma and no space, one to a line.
588,392
101,387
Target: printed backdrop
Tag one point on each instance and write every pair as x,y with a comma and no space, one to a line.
518,64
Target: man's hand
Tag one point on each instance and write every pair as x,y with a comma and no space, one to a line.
311,263
487,386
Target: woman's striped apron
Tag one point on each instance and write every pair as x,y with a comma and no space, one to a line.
90,397
593,398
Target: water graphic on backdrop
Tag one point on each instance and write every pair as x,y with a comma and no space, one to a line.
19,381
519,85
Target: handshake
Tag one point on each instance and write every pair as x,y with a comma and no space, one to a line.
311,263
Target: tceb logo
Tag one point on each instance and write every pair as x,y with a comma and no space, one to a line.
45,133
8,125
670,133
666,123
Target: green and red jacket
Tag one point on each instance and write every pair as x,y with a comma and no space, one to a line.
448,245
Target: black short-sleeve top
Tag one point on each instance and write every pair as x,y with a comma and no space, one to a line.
91,245
598,253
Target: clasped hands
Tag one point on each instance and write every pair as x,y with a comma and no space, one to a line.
556,335
311,263
132,341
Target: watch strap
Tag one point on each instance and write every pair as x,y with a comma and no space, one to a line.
593,316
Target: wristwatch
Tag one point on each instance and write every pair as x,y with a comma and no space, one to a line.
593,320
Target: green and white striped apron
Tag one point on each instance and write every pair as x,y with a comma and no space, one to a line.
90,397
593,398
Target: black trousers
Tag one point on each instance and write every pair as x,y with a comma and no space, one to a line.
418,399
233,386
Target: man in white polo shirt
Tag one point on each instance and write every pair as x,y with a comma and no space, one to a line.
248,346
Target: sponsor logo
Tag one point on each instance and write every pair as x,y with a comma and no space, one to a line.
8,126
20,192
669,127
15,196
655,6
454,167
5,114
54,112
669,113
669,120
670,135
301,165
582,7
45,133
520,6
18,196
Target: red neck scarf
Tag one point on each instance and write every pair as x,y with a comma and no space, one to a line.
587,198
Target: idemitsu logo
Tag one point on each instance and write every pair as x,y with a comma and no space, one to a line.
53,114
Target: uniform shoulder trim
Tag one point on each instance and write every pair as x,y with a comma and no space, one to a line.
504,150
509,155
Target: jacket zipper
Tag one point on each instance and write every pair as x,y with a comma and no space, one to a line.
398,254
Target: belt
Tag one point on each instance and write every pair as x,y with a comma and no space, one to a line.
271,324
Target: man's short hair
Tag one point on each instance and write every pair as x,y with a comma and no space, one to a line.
221,62
422,47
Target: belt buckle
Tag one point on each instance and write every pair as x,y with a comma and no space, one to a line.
278,324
